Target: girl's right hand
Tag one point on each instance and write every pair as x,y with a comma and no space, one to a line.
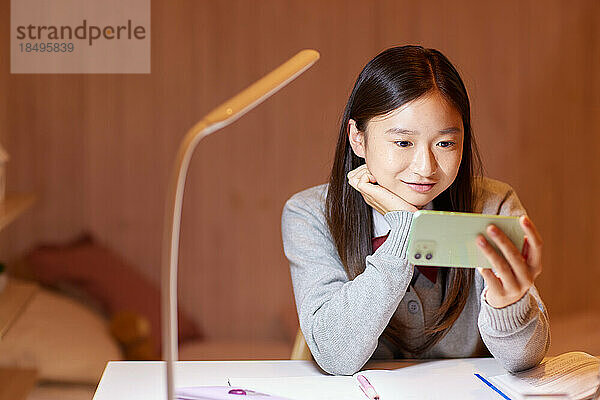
378,197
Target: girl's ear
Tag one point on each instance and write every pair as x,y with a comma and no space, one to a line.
357,139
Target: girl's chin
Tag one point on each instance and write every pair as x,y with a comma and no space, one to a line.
417,200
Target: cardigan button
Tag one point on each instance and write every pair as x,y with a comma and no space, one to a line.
413,307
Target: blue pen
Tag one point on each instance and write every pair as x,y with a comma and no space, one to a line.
494,388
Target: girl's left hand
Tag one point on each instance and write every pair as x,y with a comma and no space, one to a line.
514,273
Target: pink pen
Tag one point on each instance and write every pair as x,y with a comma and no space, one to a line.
367,388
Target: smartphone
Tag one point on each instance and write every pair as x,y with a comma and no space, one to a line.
447,239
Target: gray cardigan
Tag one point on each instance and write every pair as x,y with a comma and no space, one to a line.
342,320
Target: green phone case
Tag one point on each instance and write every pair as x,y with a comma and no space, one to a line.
447,239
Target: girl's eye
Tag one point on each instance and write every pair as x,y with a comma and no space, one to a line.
450,144
404,143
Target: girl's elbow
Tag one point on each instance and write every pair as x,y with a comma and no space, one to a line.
338,366
337,361
522,364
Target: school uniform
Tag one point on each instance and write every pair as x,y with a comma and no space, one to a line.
342,320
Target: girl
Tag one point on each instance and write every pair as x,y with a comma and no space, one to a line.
406,143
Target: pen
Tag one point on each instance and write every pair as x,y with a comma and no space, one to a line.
367,388
494,388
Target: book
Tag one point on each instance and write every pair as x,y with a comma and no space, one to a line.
574,374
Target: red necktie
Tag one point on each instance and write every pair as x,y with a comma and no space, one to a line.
429,272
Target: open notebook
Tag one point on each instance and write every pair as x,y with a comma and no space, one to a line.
574,373
432,380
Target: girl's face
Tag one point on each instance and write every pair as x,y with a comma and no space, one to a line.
419,142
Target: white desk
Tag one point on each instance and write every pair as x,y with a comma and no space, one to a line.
131,380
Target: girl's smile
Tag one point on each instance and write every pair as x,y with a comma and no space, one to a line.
420,188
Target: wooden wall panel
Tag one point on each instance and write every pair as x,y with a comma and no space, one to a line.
42,129
98,148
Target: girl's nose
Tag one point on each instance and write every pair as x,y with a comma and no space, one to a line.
425,163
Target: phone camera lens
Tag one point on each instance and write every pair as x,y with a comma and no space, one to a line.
428,256
418,255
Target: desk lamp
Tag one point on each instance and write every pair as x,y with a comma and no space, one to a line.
218,118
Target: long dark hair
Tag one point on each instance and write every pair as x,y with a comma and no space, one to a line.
394,77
